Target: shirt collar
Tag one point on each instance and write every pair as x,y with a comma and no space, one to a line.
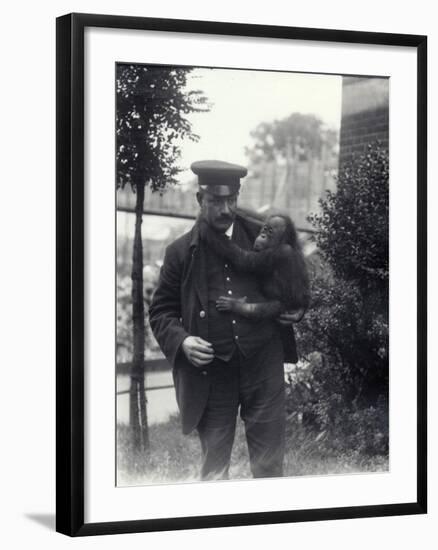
194,241
229,231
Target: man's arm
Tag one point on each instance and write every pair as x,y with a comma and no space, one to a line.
165,315
165,309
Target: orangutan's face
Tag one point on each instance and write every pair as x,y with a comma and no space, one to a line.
271,234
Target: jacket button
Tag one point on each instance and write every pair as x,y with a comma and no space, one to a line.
202,314
204,372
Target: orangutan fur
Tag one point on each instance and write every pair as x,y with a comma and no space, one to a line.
277,258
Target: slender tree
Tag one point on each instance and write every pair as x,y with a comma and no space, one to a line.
152,108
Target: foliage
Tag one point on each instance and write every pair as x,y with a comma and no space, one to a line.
344,335
152,109
174,457
353,226
125,346
317,407
350,330
297,136
124,319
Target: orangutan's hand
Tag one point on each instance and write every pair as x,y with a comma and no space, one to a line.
224,303
288,318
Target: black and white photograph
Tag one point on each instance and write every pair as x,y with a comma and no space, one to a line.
218,245
252,274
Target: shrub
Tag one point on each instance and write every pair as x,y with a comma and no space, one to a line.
344,335
352,229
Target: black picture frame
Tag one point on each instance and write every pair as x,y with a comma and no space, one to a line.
70,273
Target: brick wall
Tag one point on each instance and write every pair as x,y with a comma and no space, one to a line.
365,114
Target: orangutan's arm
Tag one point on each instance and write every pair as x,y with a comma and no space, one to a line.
255,311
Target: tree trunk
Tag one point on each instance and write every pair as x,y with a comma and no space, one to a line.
137,405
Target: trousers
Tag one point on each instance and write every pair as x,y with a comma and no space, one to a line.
255,385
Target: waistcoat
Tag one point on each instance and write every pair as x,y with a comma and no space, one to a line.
226,330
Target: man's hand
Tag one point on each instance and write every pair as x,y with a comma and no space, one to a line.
198,351
288,318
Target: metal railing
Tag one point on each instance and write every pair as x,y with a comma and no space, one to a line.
153,365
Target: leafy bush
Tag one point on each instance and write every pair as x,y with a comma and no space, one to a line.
352,229
344,335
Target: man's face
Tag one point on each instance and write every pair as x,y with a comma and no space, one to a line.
219,212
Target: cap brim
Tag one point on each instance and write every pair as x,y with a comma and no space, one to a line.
221,190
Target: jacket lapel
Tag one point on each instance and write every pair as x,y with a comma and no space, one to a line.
199,267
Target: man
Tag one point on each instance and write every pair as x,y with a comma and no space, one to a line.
220,361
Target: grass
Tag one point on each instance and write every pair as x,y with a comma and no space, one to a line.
174,457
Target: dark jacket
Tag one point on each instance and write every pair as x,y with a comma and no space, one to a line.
178,310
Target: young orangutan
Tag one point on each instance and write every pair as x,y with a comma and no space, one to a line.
277,258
